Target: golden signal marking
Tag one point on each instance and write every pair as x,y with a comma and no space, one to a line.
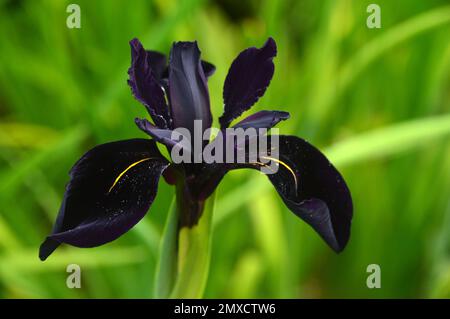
124,171
286,166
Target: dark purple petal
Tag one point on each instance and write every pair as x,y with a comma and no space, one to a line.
262,119
318,194
111,188
307,182
247,80
208,70
157,62
145,86
188,90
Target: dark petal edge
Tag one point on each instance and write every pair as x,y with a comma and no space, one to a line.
322,198
145,86
111,188
311,188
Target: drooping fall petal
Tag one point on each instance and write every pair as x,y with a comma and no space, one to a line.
307,182
110,189
314,190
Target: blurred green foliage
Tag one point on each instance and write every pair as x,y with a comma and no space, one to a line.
377,101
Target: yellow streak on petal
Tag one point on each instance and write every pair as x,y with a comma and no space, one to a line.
125,170
265,165
286,166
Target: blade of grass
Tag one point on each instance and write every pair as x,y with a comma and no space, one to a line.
394,36
271,237
389,141
166,266
20,135
247,275
373,50
149,234
7,238
26,261
11,178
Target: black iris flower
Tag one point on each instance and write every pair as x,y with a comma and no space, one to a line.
113,185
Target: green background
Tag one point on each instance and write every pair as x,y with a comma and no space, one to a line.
376,101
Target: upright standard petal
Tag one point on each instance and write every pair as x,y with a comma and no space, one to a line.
144,84
208,70
247,80
157,62
313,190
111,188
188,90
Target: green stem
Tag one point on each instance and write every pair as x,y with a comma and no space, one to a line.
194,255
183,266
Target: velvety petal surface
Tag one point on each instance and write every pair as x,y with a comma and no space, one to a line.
247,80
157,62
308,183
110,189
314,190
145,85
188,90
